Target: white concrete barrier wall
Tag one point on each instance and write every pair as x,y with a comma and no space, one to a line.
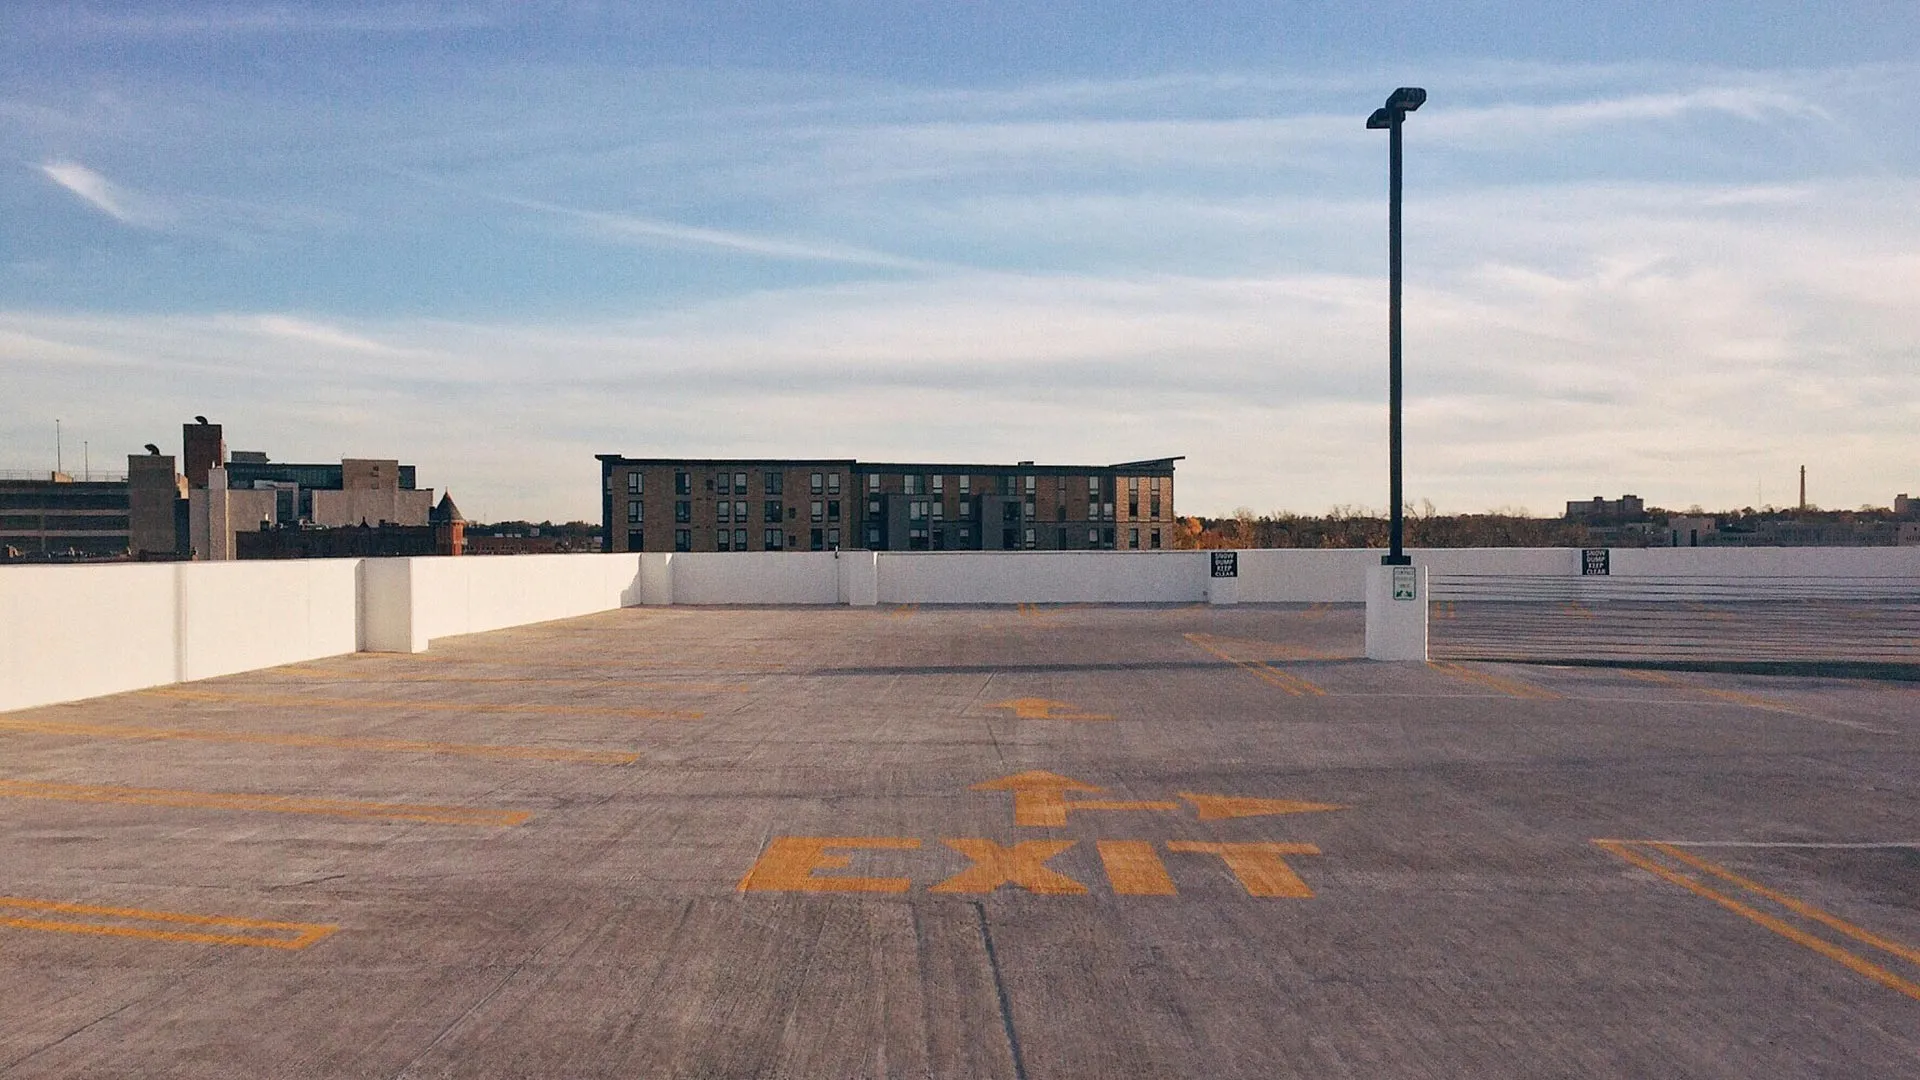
470,594
70,632
1042,577
756,577
240,616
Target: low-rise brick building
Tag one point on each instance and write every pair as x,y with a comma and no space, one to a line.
806,504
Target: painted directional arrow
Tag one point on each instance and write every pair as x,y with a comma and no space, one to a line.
1221,807
1040,798
1039,708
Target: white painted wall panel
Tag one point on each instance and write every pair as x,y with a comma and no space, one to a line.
239,616
70,632
756,577
1041,577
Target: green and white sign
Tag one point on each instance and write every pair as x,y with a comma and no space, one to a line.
1404,583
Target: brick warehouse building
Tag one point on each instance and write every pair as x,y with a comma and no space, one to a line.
712,504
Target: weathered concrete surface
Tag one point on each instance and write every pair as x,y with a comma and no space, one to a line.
558,913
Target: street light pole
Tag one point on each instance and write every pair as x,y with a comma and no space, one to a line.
1390,116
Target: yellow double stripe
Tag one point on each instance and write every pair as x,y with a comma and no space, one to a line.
1509,687
429,706
1267,673
274,804
328,742
220,929
1625,849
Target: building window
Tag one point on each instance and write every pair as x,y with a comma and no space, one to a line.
916,510
938,509
833,539
1106,511
873,481
633,483
939,484
739,483
966,486
873,536
740,510
939,539
1029,485
873,506
1009,513
966,536
739,539
815,483
818,539
725,484
722,512
1093,538
1093,489
833,483
633,513
1133,538
1030,512
636,540
683,539
775,479
1009,539
1153,502
683,511
771,510
775,539
817,513
1029,538
1106,537
608,483
833,509
1153,539
722,540
682,483
1093,511
916,539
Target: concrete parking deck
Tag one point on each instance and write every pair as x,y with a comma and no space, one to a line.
966,842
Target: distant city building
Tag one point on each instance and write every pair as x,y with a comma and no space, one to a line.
1608,511
155,512
59,517
776,504
1904,506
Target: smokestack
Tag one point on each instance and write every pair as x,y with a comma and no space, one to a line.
1803,487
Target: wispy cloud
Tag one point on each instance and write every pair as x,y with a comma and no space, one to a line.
94,190
632,227
266,19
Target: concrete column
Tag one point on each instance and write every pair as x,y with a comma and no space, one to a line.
1397,621
859,577
656,578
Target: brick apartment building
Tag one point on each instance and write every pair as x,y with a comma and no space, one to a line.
710,504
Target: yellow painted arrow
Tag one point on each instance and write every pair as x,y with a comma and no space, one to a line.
1040,798
1221,807
1039,708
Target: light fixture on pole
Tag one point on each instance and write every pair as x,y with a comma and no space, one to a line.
1389,117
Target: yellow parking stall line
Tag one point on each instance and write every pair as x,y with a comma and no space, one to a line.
902,611
1851,961
431,706
1273,676
309,672
1798,907
1509,687
1286,651
611,663
304,934
328,742
274,804
1752,701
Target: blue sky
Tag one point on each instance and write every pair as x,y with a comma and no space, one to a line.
1671,249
